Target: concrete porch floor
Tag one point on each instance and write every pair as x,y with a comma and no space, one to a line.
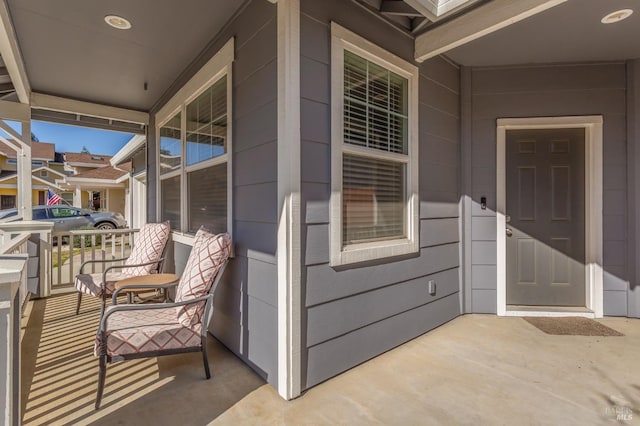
477,369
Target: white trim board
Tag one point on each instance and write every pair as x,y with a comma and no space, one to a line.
90,109
593,204
550,314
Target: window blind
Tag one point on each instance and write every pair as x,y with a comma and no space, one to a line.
375,106
208,198
374,199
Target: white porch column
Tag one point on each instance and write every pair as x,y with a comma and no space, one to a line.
77,197
13,271
25,194
289,228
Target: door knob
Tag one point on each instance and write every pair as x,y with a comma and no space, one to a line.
509,232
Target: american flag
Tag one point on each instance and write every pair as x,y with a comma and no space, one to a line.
52,198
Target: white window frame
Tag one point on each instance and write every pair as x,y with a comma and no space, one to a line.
219,65
341,40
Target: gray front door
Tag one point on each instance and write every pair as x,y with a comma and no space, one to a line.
545,217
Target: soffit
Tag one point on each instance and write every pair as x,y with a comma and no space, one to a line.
69,51
569,32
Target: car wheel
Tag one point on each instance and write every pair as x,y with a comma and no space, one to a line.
105,225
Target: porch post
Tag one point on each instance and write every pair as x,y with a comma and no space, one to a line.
77,197
14,269
24,172
288,251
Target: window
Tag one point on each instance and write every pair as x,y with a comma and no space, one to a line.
39,214
44,173
194,150
64,212
374,181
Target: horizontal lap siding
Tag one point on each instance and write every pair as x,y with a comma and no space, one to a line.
355,313
598,89
245,315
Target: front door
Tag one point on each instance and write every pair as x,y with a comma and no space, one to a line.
545,217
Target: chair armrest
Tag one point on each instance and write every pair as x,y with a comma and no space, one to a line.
86,262
114,298
119,308
110,268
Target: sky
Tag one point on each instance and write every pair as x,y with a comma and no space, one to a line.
73,138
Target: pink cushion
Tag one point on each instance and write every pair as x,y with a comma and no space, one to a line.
139,331
148,247
207,256
91,284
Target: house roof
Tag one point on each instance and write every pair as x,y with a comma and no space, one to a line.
9,175
108,172
39,151
85,158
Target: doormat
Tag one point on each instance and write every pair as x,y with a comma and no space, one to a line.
571,326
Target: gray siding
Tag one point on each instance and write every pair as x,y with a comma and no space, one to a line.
597,89
245,316
355,313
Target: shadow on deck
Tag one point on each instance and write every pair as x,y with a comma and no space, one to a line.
59,375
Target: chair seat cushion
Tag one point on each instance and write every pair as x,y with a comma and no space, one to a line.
148,330
91,284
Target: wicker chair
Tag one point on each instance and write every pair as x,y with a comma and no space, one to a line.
150,330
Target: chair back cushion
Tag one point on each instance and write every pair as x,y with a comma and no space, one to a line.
207,256
149,246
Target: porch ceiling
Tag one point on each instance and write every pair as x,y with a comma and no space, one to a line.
569,32
69,50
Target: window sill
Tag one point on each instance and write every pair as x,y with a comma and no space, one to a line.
182,238
365,252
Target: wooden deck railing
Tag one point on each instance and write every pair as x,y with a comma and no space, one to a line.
72,248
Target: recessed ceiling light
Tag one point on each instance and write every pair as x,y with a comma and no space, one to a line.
617,16
117,22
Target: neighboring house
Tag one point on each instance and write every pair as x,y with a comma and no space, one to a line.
381,171
101,188
94,183
45,170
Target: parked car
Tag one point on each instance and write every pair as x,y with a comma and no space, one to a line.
66,218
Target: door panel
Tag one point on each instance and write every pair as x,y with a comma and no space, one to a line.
546,227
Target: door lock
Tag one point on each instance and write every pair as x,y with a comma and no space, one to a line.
509,232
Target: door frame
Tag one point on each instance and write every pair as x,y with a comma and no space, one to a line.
593,210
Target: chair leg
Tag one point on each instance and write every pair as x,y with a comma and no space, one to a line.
78,304
103,306
101,376
205,359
